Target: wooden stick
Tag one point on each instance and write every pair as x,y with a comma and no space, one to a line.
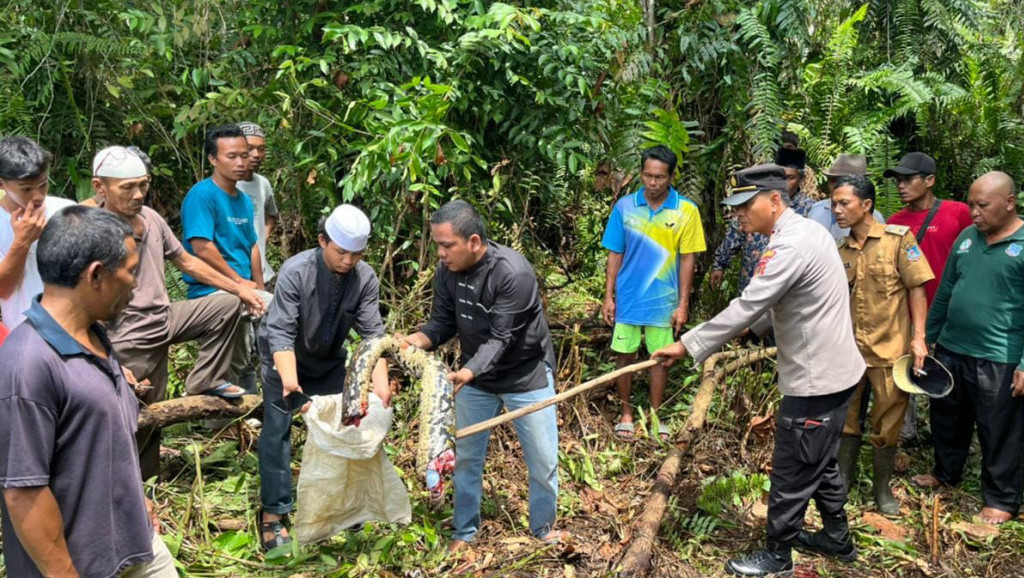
507,417
935,532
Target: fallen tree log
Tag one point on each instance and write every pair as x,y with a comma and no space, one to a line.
636,560
194,407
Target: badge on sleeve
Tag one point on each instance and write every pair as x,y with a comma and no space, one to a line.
965,246
763,263
913,253
1013,250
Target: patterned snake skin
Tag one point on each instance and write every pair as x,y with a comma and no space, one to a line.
435,454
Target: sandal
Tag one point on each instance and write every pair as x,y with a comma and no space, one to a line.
226,391
663,433
275,527
624,431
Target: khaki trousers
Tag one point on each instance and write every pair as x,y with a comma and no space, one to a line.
213,321
161,566
888,404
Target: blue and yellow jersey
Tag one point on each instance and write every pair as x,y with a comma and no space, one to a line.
647,287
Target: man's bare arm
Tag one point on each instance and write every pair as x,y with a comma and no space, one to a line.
37,521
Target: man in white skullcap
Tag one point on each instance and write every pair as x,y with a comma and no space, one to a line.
144,331
25,207
257,186
320,295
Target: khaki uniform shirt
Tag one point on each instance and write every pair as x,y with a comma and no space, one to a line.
799,287
880,273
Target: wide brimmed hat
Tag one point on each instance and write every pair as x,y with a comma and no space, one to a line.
934,380
847,164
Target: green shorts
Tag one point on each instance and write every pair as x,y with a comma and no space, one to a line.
626,338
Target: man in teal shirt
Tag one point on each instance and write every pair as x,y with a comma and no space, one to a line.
977,325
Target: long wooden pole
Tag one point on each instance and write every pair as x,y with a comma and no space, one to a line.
586,386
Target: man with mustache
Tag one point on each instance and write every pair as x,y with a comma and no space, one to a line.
798,288
73,501
144,331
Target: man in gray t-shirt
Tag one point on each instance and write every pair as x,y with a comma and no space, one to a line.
264,206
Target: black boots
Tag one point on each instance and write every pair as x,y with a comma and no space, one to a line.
849,449
833,539
885,462
775,559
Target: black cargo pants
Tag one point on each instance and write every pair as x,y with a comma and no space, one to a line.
805,463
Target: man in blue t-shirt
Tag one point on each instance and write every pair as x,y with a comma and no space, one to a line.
217,224
217,218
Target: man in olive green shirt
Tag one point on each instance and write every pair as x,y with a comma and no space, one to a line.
977,324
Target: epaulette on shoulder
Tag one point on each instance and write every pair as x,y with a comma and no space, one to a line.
841,242
897,229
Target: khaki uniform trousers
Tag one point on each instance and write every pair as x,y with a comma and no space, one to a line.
888,404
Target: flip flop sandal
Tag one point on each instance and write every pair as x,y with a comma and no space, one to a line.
663,434
275,527
226,391
624,431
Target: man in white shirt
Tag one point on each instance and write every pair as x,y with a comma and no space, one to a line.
24,210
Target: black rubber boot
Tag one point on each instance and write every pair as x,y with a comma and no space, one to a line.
775,559
885,462
849,450
832,540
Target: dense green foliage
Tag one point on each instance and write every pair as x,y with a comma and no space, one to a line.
534,111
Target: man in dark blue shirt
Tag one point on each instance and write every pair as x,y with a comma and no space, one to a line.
73,499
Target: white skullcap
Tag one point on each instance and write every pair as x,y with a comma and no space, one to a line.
348,228
119,163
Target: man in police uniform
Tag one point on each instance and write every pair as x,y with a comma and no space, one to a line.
798,287
887,273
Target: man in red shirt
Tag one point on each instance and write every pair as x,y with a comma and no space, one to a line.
915,179
942,221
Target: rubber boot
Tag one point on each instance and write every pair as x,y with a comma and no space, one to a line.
849,450
884,462
832,540
908,433
775,559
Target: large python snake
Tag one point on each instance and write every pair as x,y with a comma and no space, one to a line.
435,454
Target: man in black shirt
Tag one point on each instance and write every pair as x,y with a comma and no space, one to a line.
487,295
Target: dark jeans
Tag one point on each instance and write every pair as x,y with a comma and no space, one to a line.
981,395
805,463
275,449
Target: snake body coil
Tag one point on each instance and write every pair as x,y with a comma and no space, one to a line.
435,453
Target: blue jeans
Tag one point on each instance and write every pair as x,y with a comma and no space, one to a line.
538,436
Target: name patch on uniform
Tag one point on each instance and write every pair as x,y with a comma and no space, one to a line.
1013,250
964,246
763,263
913,253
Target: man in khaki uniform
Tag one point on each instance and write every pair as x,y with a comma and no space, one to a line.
887,272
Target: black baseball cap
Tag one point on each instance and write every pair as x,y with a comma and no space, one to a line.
745,184
912,164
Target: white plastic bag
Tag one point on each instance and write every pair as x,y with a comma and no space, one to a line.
346,479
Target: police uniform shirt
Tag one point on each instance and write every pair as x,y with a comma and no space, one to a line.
799,287
880,272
